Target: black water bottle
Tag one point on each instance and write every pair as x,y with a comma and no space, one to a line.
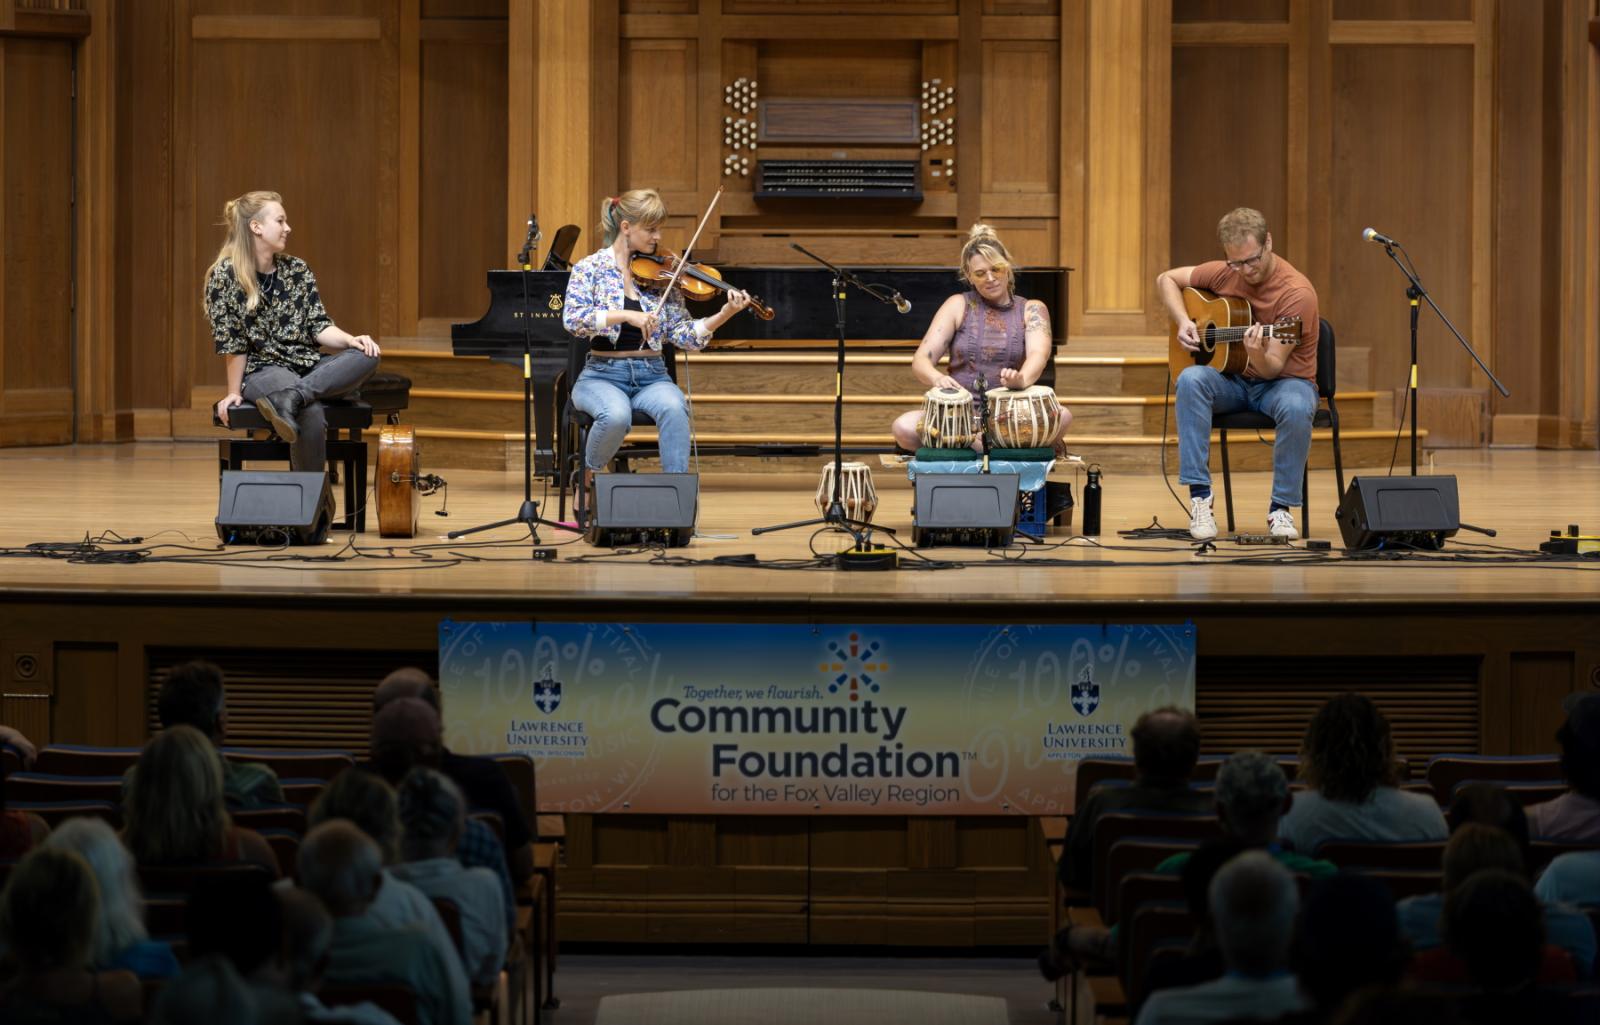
1091,503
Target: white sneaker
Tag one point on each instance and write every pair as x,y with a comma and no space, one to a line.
1280,523
1202,525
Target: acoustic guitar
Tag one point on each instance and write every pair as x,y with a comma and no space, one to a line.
1222,321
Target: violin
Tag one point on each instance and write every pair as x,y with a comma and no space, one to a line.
698,281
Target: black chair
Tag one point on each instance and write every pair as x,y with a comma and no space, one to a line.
572,433
1326,417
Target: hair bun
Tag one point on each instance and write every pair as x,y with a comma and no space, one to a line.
981,230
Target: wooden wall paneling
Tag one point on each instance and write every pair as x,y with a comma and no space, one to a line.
707,116
101,406
1019,116
565,123
605,107
805,68
1540,680
409,251
1317,244
1524,239
1113,275
1297,132
395,233
1232,10
523,90
1383,178
970,94
334,181
36,368
1579,404
142,224
1157,159
461,167
1480,310
1073,190
1231,145
657,139
188,322
1403,10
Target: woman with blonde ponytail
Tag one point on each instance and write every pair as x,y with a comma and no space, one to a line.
987,331
284,352
626,329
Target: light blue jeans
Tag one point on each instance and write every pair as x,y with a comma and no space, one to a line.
1290,401
611,388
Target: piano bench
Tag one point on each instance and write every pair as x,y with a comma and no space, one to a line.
347,446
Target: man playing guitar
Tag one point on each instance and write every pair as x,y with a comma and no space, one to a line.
1278,380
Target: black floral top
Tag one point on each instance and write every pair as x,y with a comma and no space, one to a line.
283,328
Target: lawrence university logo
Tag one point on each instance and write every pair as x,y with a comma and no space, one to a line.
1085,693
547,693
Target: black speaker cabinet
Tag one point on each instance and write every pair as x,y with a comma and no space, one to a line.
969,509
644,509
1400,512
274,507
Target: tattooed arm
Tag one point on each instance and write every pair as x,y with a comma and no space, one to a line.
1040,347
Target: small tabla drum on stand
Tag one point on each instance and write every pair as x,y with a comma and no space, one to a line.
947,420
1023,417
399,466
856,493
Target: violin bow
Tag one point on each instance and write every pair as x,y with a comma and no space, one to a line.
683,260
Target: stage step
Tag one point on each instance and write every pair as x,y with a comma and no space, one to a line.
1092,414
490,450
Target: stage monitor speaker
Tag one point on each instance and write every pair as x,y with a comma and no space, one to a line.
968,509
1399,512
644,509
274,507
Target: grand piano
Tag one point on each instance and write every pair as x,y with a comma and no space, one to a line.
801,297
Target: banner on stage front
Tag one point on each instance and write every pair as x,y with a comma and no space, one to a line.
798,719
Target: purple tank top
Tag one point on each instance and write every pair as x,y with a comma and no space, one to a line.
989,340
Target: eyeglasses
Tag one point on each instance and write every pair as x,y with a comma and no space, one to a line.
1249,261
987,275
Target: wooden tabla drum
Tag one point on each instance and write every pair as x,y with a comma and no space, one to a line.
399,465
947,420
1023,417
856,493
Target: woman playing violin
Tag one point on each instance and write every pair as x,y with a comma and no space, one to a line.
989,331
626,328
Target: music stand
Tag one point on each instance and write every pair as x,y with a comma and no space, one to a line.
834,516
528,512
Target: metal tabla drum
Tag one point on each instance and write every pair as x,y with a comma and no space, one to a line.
947,420
856,493
1023,417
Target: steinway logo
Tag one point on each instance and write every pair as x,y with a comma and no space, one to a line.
554,303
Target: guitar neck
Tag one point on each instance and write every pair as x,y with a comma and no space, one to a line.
1225,334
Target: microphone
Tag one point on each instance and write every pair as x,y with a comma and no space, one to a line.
1372,235
901,305
527,241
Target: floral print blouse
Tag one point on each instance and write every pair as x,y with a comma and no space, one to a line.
282,330
596,286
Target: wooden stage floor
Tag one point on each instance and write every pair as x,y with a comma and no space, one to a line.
166,493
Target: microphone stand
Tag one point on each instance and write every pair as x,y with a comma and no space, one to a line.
528,513
835,516
1414,292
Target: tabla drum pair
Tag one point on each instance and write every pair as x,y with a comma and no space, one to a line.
1018,417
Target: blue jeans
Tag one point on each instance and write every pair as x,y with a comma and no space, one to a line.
1290,401
610,389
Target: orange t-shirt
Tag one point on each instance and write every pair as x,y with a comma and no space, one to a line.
1287,293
